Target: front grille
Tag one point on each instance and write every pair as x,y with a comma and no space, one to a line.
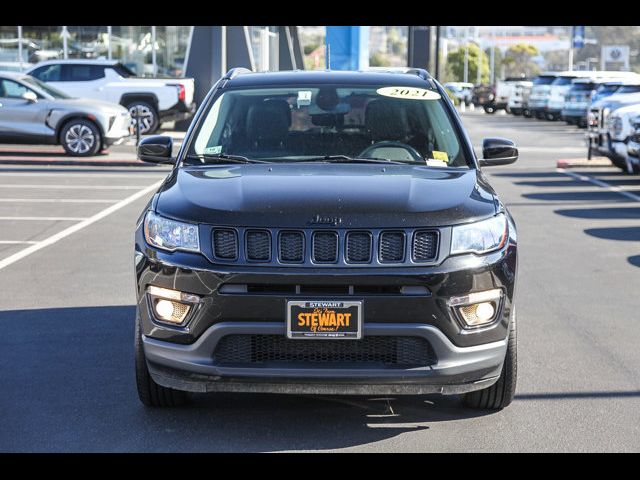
370,351
225,244
325,247
358,247
258,245
291,247
392,247
425,246
355,248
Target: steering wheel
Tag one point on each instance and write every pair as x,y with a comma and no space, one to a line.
369,151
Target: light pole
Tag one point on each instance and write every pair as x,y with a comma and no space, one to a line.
466,54
492,61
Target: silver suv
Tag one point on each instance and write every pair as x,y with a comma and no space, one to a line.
36,113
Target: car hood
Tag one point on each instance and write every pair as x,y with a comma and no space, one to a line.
366,196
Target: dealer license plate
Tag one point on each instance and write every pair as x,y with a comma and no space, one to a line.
324,319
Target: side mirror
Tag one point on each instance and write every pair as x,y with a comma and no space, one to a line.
30,97
498,151
156,149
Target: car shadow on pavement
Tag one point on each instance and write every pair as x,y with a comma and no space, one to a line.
68,384
610,213
625,234
634,260
42,153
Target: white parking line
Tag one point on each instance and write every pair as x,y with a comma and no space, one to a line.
80,175
57,200
72,187
600,183
17,242
77,227
38,219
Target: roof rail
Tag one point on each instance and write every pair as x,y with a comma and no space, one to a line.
421,72
234,72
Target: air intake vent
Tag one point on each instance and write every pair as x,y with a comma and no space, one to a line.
358,247
425,246
258,245
325,247
225,244
392,247
291,247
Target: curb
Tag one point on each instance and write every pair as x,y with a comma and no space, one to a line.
583,163
80,163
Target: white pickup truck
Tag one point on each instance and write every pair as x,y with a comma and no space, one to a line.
157,99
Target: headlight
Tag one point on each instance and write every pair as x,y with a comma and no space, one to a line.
170,234
480,237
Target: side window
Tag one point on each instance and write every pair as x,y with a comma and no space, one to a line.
82,73
48,73
11,89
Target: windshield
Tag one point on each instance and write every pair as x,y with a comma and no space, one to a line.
607,88
562,81
628,89
54,92
543,80
582,87
311,122
123,70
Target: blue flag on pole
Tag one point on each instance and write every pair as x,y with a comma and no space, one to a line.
577,39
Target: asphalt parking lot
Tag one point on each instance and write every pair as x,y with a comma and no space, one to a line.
67,309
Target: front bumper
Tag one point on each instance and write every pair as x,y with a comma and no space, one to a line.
119,131
577,114
184,357
191,368
180,111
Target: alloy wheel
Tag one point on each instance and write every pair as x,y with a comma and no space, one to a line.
146,117
79,138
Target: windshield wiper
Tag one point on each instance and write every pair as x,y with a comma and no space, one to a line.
224,158
348,159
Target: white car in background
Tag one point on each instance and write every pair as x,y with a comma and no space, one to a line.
463,91
157,99
622,126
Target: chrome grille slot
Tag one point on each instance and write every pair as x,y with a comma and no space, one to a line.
358,247
392,247
325,247
291,247
225,244
425,246
258,245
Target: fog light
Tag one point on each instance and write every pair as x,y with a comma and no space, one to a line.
171,305
164,309
477,309
485,311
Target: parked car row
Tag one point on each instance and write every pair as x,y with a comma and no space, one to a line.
87,105
606,103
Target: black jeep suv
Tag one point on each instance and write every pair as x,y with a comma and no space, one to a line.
326,233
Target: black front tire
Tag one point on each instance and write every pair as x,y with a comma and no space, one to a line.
500,394
81,138
150,393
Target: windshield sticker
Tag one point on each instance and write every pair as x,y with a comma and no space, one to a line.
213,150
432,162
304,98
440,156
409,93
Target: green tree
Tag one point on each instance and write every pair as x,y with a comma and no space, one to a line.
517,60
477,59
379,59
